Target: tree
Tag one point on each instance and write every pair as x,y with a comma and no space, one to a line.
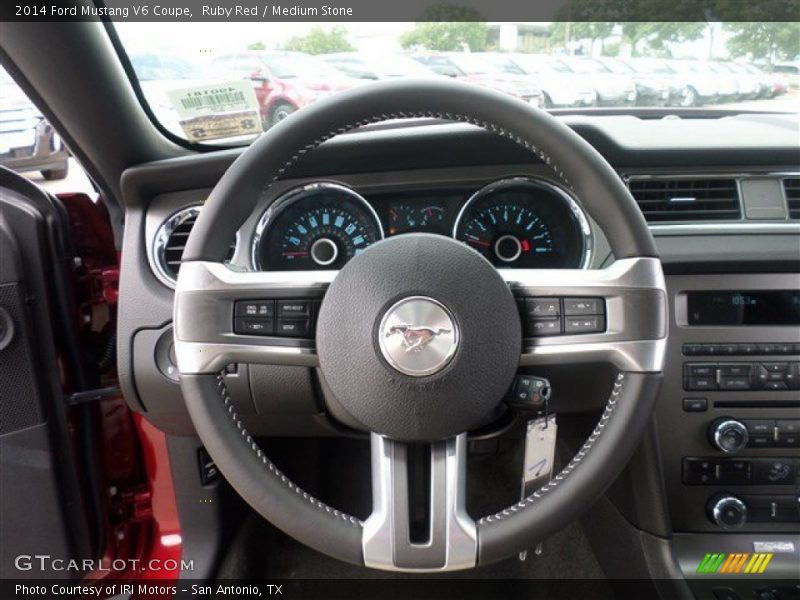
319,41
447,27
582,30
255,46
656,35
768,40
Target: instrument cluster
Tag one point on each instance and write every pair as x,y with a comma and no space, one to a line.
514,223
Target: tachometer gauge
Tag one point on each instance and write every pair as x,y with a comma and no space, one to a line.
318,226
525,223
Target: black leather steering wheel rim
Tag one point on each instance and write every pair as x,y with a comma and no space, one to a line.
576,164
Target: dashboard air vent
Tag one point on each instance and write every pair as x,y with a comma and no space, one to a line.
171,240
792,189
687,199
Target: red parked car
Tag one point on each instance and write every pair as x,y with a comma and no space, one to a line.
284,81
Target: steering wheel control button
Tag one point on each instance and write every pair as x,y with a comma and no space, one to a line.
542,308
294,308
248,326
293,327
418,336
575,307
557,316
255,308
295,317
544,327
587,324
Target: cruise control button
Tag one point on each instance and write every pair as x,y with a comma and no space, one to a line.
583,306
588,324
294,308
250,326
539,308
543,327
293,328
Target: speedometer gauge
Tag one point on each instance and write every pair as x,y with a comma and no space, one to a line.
318,226
525,223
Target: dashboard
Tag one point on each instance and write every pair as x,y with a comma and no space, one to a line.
730,257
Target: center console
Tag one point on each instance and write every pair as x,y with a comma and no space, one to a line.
729,417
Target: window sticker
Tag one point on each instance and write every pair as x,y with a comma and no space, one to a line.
222,110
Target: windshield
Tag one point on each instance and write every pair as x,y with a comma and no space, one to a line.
471,64
228,82
156,67
289,65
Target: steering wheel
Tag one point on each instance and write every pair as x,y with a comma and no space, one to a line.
439,290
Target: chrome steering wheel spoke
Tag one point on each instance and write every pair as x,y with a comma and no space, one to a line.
449,540
634,339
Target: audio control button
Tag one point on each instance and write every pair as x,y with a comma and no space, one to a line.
729,512
728,435
701,383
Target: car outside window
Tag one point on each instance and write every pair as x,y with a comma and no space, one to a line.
276,69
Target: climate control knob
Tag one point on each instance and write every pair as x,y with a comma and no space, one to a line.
727,511
728,435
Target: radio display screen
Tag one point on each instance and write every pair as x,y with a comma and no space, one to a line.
773,307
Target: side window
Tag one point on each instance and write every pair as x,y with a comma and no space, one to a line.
30,145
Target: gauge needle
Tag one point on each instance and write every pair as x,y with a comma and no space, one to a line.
474,240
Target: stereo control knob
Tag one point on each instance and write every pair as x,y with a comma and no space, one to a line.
727,511
728,435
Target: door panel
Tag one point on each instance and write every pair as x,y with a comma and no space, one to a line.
46,499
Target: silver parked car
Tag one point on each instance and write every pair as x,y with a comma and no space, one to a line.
612,88
559,87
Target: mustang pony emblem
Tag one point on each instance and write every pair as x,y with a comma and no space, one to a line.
415,338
